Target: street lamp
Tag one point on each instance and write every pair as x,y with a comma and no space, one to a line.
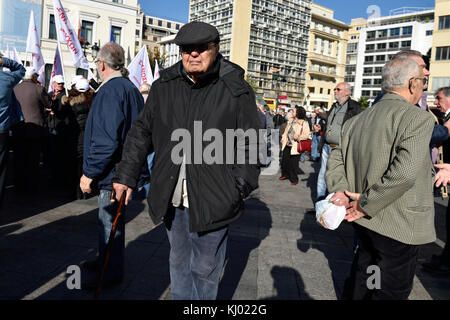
94,50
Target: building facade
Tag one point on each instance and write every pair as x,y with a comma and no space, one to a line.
384,37
101,21
170,51
155,29
352,51
440,53
267,38
326,57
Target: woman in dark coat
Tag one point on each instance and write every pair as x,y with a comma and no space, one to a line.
77,104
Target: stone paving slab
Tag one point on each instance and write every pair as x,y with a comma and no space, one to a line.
275,251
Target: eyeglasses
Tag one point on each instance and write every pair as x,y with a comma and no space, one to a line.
200,48
337,89
424,80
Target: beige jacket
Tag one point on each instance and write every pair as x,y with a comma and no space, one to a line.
384,155
302,133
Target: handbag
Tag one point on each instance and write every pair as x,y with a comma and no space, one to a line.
303,145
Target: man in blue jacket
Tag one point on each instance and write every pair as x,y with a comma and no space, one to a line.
117,102
10,113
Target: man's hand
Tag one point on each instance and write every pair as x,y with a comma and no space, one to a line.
85,184
354,211
121,188
296,136
443,176
317,127
340,199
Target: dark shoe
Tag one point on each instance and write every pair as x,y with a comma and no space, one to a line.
91,265
294,183
283,178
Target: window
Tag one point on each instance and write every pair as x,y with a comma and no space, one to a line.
393,45
353,37
407,30
378,69
368,70
321,90
381,58
159,23
429,33
169,25
406,44
394,32
117,1
150,21
329,91
439,82
365,93
138,33
155,39
382,33
371,35
177,26
442,53
116,34
444,22
377,82
381,46
367,81
370,47
368,59
311,89
52,28
87,28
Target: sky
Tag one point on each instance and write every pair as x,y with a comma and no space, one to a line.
343,10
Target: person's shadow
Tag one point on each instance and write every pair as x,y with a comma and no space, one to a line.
241,263
336,245
288,285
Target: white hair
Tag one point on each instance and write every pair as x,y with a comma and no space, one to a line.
397,73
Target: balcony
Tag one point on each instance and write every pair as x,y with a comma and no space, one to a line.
322,58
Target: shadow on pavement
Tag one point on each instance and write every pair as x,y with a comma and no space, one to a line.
336,246
34,262
311,180
245,236
288,284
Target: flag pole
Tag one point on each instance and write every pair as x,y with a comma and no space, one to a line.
62,67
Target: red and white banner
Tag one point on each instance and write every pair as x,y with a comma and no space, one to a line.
156,71
34,47
140,70
16,57
56,70
66,34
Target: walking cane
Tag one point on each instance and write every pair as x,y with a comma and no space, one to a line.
111,239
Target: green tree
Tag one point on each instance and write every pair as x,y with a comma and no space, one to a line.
252,82
364,103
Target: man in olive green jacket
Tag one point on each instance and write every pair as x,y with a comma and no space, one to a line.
383,164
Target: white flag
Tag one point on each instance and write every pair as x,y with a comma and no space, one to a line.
140,70
7,55
56,70
66,34
156,71
16,57
34,47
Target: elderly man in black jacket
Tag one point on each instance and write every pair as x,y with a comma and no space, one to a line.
197,198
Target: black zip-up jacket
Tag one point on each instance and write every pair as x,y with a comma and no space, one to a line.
221,99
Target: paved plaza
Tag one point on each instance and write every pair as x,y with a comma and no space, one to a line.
275,251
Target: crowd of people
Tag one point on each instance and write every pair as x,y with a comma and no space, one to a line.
112,135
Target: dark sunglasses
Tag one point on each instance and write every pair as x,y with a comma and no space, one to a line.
197,47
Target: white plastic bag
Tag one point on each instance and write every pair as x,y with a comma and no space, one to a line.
328,215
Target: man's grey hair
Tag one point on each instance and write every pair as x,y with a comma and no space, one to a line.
397,73
406,54
445,90
113,56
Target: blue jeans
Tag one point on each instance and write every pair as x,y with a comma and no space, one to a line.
106,215
196,259
321,184
143,193
315,141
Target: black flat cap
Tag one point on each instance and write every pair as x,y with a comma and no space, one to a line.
197,32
